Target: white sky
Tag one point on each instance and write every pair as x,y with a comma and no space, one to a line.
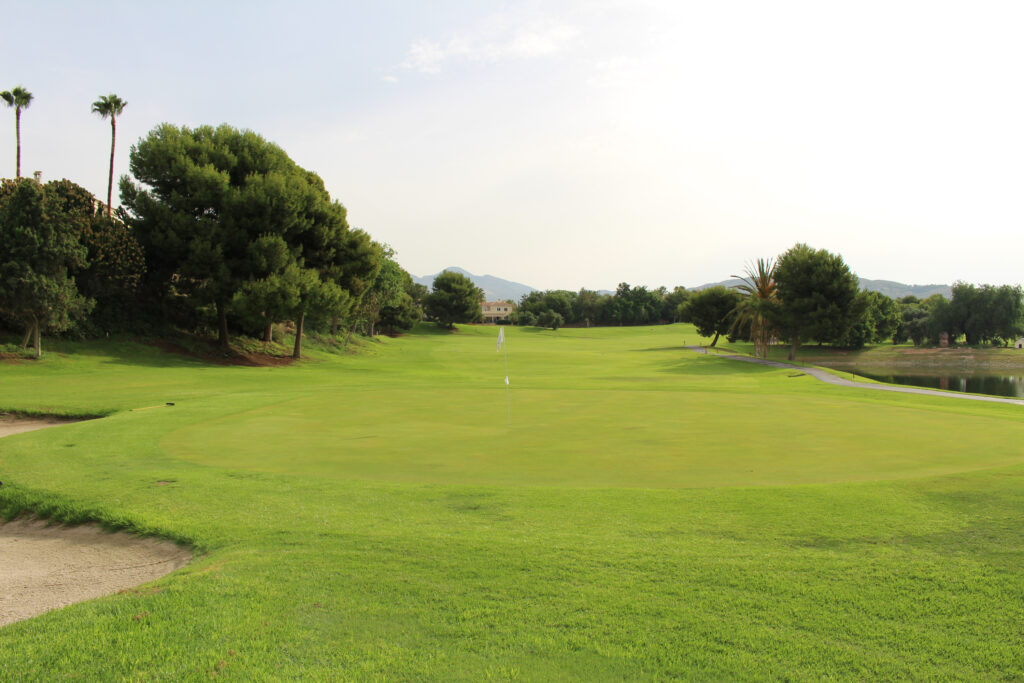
568,144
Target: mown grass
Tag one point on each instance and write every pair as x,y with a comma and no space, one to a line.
649,513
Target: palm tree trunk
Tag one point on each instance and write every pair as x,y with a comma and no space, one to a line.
110,180
297,352
17,134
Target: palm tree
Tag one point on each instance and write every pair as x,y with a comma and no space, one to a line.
19,98
758,304
110,105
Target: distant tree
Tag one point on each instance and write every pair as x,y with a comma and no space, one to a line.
670,303
1007,313
878,320
18,98
913,324
589,307
39,247
985,313
454,299
525,318
555,301
711,310
550,319
633,306
387,289
406,311
817,296
759,304
939,318
110,106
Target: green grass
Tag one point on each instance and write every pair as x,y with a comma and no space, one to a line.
649,513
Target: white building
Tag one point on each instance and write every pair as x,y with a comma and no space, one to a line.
494,311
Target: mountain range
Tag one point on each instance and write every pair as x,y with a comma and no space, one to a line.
499,289
495,288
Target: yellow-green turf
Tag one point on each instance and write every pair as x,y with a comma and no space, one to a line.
648,513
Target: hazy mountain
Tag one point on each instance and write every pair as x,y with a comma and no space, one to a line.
896,290
495,288
499,289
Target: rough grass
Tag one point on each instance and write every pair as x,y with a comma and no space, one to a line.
649,513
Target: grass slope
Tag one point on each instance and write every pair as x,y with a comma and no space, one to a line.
649,513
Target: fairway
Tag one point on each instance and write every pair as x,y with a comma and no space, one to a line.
605,411
647,512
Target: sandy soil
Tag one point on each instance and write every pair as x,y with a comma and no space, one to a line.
16,425
45,567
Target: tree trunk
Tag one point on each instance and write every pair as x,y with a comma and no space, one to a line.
793,347
28,337
222,315
334,326
38,343
715,340
17,134
268,334
110,180
297,353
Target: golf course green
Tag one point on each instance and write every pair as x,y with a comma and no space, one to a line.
624,509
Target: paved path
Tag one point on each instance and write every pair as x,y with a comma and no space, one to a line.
829,378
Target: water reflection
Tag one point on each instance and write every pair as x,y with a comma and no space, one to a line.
993,385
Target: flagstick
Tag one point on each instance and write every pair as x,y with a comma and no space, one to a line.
508,396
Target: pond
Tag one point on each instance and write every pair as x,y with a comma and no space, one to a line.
993,385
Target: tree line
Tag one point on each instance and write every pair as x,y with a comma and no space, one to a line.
218,230
627,306
804,295
811,295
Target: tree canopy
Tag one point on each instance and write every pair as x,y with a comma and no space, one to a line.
40,247
110,106
711,311
17,98
817,296
454,299
222,213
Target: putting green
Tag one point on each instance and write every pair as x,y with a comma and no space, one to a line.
656,416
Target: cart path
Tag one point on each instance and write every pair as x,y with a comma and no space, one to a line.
829,378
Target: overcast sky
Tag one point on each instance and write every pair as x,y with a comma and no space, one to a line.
569,144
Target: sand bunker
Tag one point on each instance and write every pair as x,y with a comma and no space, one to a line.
9,424
45,567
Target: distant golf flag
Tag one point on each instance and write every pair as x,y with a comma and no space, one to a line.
508,396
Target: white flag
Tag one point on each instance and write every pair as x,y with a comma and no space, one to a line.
501,336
